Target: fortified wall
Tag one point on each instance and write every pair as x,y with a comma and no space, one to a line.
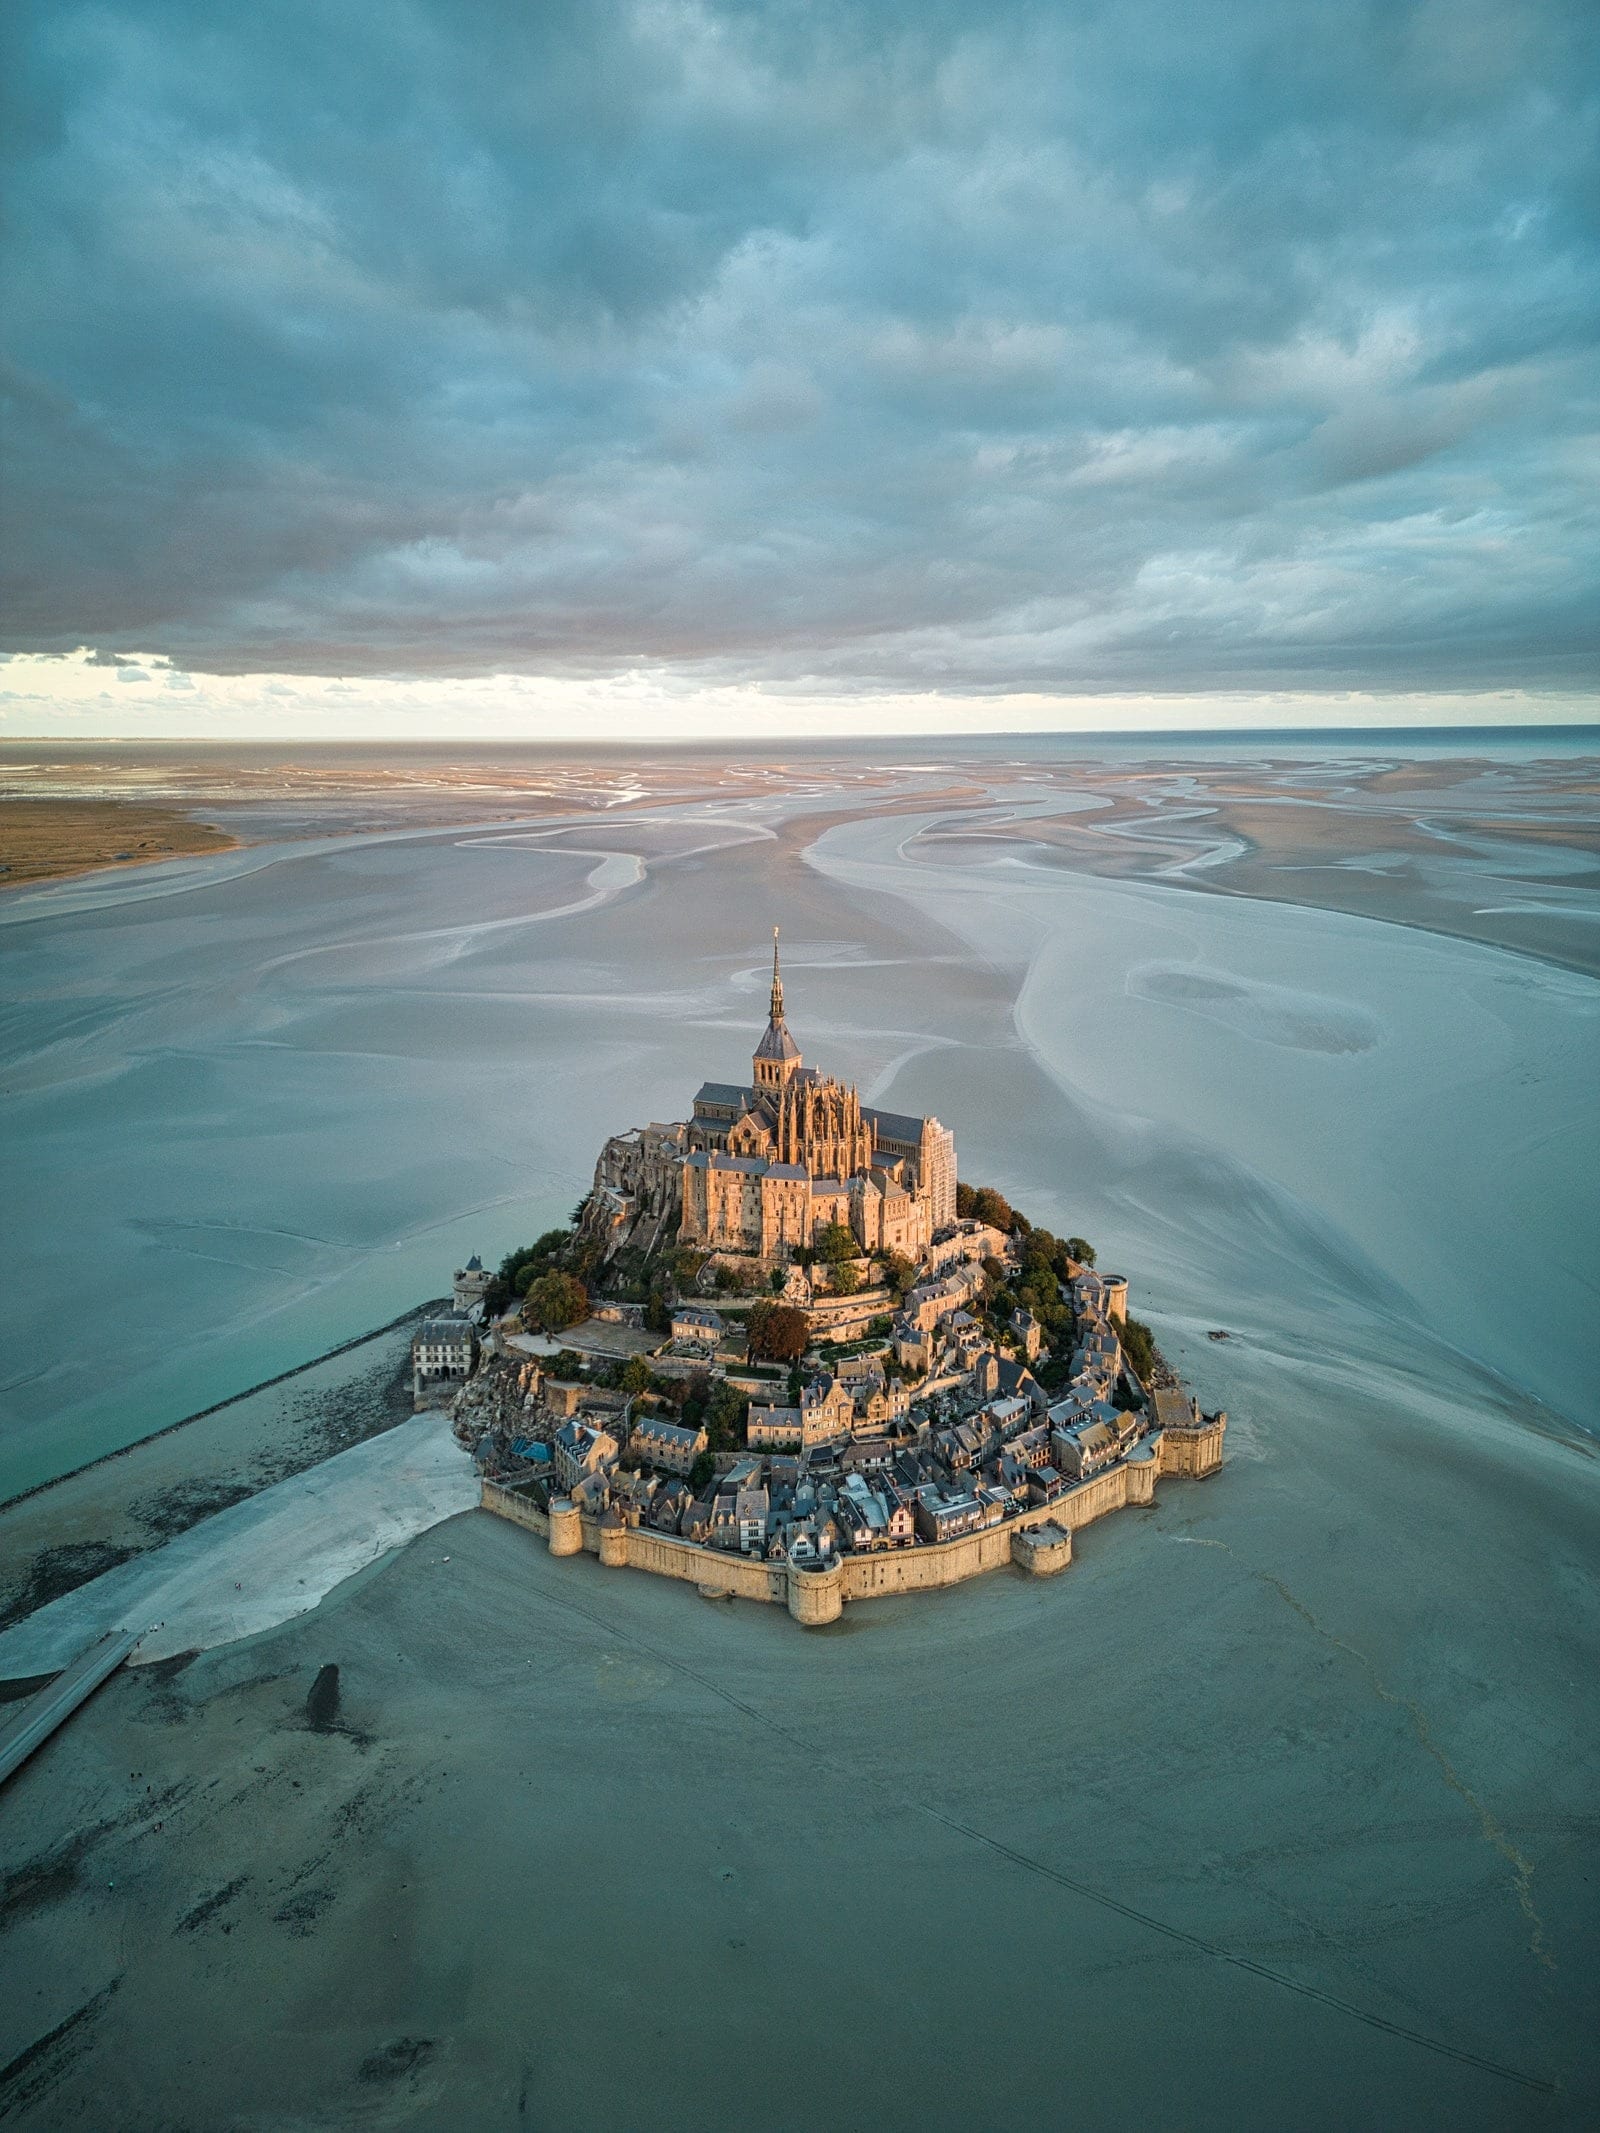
1038,1540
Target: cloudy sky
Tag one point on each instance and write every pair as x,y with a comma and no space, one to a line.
396,364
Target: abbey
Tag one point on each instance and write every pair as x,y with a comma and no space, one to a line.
758,1170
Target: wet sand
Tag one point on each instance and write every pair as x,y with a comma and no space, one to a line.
589,1850
77,1528
1274,1811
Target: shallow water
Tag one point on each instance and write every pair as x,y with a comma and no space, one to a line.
1274,1811
259,1103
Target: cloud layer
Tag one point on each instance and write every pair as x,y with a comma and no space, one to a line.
921,347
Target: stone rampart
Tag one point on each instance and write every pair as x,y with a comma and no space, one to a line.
1038,1540
929,1565
521,1510
713,1569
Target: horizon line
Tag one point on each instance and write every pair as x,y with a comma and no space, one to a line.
1372,729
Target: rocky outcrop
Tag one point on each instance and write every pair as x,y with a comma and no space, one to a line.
637,1197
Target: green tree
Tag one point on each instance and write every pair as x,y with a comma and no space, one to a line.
992,1207
847,1278
836,1244
1139,1346
1081,1250
898,1272
965,1196
778,1333
636,1375
701,1472
725,1417
556,1301
545,1251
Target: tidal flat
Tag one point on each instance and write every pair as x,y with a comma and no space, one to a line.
1275,1810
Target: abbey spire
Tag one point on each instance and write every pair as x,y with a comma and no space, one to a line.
777,1055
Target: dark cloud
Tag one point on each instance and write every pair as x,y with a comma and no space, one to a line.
997,347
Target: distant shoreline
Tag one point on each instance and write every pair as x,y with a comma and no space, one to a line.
786,747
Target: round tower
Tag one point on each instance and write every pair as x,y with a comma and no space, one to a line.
566,1527
815,1592
613,1539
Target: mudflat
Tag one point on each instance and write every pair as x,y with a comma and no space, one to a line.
44,840
1273,1811
1285,1781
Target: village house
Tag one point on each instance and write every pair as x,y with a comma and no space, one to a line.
878,1401
827,1410
750,1509
579,1450
444,1352
697,1326
768,1426
1086,1449
666,1444
940,1518
1029,1332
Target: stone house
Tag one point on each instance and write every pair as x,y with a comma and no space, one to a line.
767,1426
697,1326
827,1410
443,1353
1086,1449
941,1518
750,1511
580,1451
1029,1332
878,1402
668,1445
